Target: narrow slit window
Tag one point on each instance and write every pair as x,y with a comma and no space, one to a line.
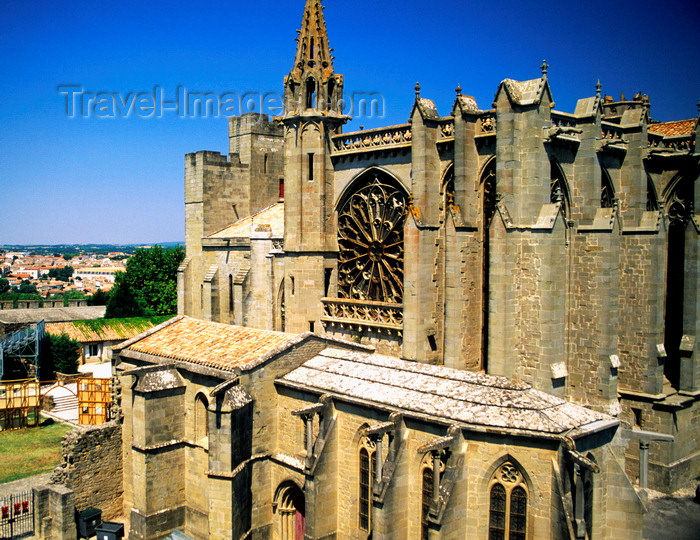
365,488
311,167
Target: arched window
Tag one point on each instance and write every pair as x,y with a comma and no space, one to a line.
652,197
559,190
679,209
607,190
370,236
290,507
201,425
310,93
367,456
508,504
430,482
489,200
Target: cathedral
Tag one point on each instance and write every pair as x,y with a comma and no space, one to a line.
532,258
558,248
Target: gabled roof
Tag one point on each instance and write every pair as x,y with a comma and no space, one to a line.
438,392
272,216
104,329
467,104
673,129
426,107
221,346
525,92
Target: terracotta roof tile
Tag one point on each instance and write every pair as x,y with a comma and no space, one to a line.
211,344
102,329
272,216
673,129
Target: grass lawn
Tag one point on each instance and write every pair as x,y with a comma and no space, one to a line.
30,451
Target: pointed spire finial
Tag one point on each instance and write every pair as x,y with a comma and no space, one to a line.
459,89
698,107
598,88
417,90
313,48
544,67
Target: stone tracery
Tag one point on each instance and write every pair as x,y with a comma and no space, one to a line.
370,237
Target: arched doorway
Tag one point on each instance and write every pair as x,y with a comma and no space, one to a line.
291,512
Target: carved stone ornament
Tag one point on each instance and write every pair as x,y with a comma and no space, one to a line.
370,237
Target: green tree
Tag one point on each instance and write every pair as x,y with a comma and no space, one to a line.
27,287
4,285
100,298
149,285
61,274
60,354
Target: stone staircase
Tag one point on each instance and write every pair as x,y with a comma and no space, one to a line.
64,403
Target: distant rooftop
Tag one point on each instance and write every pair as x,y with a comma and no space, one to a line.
104,329
60,314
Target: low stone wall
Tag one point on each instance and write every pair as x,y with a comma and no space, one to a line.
40,304
92,468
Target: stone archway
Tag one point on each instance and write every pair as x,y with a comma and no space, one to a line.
291,512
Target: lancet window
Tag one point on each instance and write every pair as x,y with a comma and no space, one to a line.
432,468
508,504
367,457
607,191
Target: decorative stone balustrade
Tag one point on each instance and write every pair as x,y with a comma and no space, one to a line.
488,124
447,130
363,313
671,144
362,141
611,132
563,120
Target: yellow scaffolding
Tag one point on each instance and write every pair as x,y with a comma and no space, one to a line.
20,402
94,399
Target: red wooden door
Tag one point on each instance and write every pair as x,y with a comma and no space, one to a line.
299,526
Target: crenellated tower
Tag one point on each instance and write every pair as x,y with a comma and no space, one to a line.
312,114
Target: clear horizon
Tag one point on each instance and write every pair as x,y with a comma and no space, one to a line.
119,179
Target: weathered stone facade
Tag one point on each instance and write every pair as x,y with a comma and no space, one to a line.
559,248
230,432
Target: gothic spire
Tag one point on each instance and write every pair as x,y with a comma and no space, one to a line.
312,85
313,49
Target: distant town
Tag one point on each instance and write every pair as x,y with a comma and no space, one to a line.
68,271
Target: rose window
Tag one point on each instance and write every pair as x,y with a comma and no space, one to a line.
370,237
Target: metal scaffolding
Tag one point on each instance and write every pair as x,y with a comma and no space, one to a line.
23,346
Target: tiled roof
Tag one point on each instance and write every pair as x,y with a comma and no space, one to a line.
673,129
272,216
455,395
210,344
103,329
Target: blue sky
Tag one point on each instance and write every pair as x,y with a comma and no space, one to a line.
120,180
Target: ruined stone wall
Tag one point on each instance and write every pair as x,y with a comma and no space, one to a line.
92,468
